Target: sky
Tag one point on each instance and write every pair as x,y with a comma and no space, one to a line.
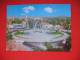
39,10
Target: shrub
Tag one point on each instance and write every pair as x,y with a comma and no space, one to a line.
9,36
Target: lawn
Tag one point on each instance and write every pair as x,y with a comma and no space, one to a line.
19,33
56,33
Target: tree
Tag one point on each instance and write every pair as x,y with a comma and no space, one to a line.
17,21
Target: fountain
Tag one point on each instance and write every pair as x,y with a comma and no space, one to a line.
37,36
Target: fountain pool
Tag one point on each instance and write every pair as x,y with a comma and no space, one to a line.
41,36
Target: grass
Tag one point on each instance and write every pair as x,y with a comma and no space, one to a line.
19,33
56,33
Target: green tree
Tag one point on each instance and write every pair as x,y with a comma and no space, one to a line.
17,21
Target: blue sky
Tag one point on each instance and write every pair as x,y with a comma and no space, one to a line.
39,10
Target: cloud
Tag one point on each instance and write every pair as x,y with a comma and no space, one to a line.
28,9
48,9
